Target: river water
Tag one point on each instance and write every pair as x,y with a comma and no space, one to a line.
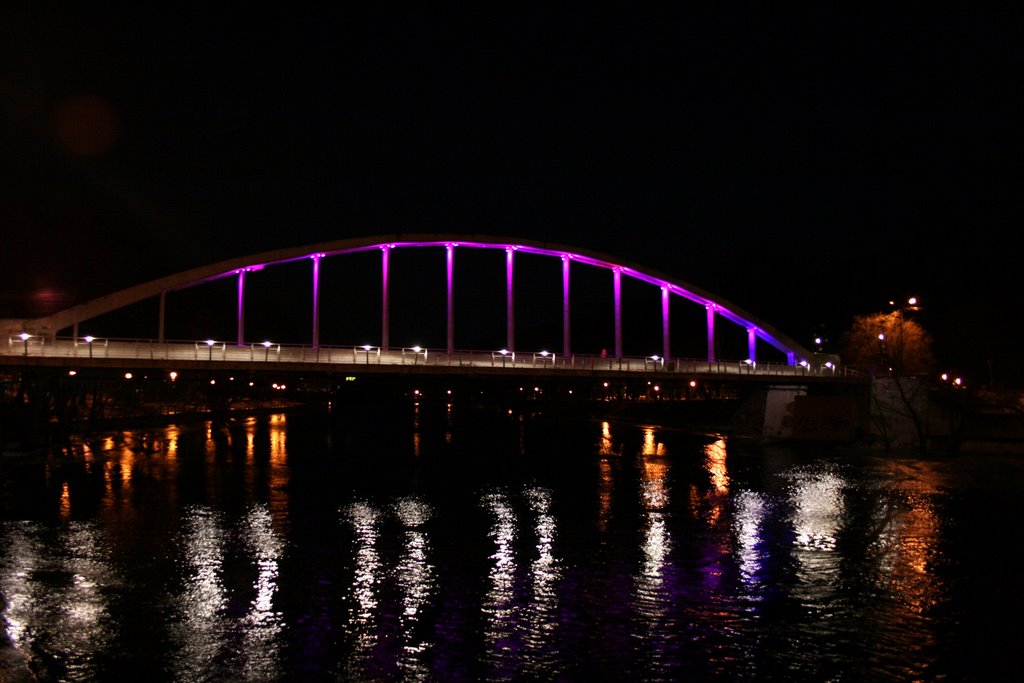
446,544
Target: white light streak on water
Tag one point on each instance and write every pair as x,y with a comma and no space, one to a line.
55,594
818,509
749,516
200,626
263,624
499,608
545,573
362,625
816,497
417,584
651,599
23,553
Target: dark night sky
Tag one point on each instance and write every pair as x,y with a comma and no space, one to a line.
807,170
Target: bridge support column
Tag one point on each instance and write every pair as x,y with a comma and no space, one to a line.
617,287
565,308
385,253
752,343
316,301
450,268
163,316
665,347
510,315
241,307
711,334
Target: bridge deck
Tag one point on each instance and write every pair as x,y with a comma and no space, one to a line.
143,352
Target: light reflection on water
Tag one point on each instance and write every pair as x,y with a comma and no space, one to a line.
55,597
641,555
198,620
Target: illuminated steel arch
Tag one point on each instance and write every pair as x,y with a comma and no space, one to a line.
716,306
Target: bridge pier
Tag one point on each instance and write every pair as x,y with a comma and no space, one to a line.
800,412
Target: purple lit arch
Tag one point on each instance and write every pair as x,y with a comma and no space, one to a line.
716,307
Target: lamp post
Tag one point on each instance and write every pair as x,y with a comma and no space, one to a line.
89,339
25,336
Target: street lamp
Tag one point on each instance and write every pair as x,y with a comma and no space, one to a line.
25,336
505,353
416,351
544,356
367,349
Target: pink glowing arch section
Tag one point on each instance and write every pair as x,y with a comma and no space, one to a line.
716,306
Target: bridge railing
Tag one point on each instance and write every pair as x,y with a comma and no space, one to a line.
217,351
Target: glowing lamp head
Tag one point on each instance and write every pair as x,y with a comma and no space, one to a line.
545,353
210,342
417,349
89,339
366,347
266,344
24,336
504,352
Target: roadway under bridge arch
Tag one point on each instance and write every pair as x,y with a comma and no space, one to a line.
716,308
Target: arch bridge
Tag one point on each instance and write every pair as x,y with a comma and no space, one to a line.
58,335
